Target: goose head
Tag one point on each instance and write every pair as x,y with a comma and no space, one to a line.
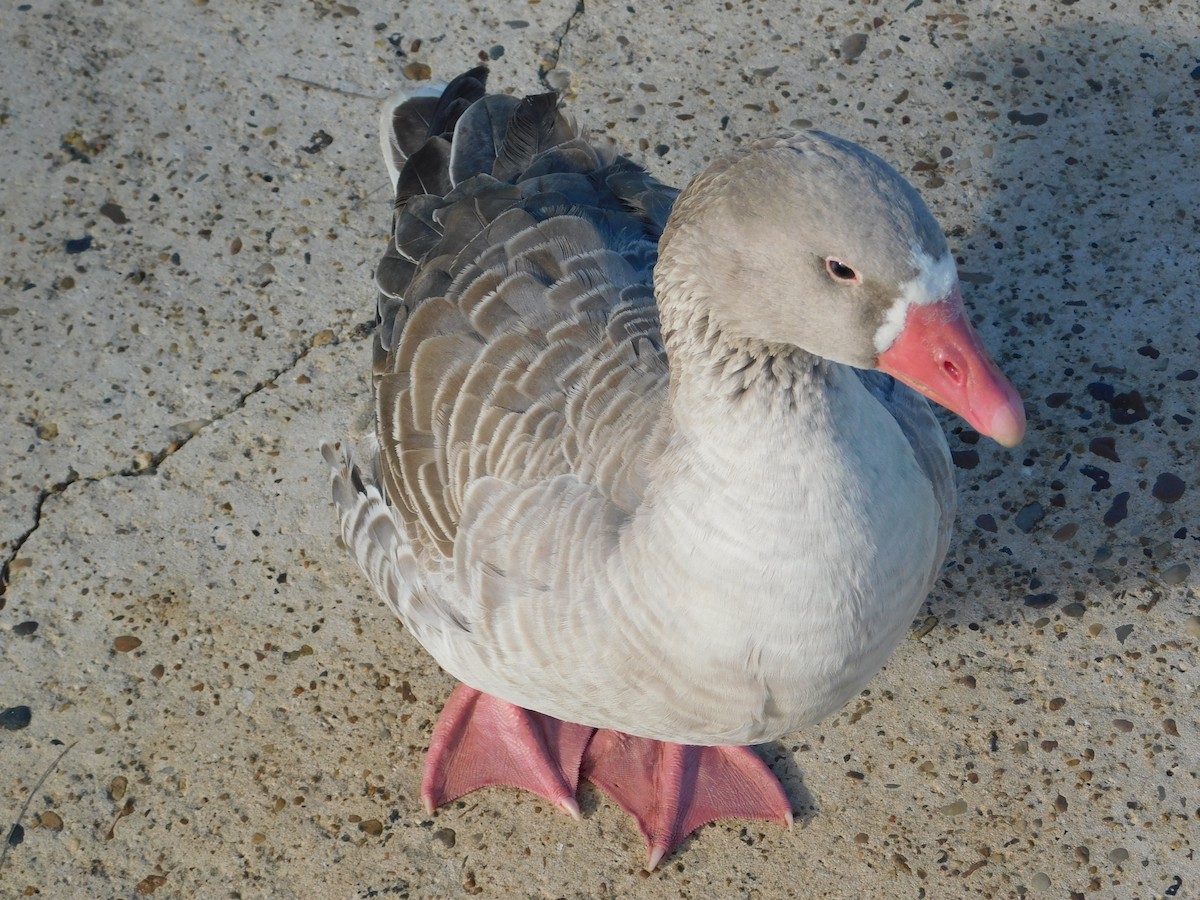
815,243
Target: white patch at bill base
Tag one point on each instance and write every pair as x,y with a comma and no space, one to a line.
934,281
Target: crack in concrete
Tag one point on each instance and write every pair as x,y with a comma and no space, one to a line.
148,463
38,503
551,64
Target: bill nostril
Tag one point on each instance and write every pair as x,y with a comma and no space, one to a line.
952,371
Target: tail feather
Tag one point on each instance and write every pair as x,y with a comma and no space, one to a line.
432,143
479,136
409,120
535,126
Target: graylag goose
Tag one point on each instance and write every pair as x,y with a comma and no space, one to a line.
652,473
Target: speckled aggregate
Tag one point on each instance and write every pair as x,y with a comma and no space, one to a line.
191,205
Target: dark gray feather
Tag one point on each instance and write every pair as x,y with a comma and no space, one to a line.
426,172
479,136
411,121
416,231
394,272
534,127
641,193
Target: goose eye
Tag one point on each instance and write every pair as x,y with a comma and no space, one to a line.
839,271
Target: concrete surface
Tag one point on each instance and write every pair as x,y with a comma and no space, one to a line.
191,205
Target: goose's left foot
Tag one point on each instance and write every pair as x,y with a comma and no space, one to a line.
673,789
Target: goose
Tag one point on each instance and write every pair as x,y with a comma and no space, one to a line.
653,473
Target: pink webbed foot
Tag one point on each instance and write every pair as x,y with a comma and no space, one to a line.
673,789
481,740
